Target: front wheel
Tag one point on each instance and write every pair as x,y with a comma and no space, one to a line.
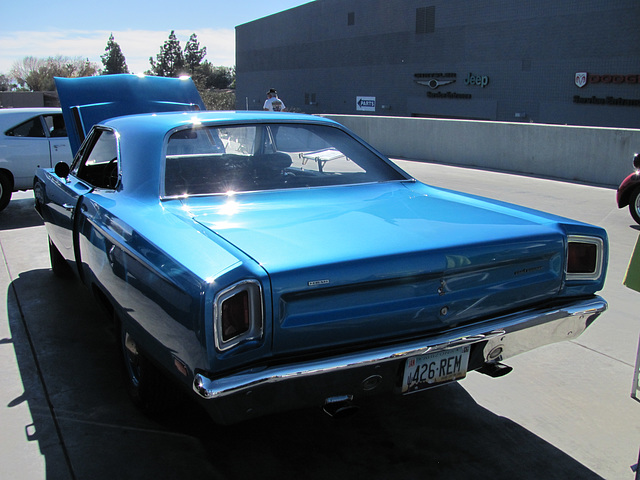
5,191
634,204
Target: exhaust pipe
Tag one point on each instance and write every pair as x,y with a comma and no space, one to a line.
495,369
340,407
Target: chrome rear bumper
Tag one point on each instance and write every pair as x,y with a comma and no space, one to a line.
269,389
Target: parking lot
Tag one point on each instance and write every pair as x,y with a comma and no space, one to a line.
564,412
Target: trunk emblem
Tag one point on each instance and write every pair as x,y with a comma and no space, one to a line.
442,288
371,383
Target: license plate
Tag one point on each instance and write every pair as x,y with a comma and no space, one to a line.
432,369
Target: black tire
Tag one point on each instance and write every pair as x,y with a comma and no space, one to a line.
5,191
634,204
59,265
148,388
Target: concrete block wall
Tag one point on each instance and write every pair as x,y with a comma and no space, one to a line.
594,155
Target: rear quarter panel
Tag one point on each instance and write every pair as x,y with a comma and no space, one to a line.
161,275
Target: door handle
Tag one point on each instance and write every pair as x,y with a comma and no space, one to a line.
68,207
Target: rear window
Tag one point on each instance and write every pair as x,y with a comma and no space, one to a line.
241,158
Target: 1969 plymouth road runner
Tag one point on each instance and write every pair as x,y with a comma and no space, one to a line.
271,261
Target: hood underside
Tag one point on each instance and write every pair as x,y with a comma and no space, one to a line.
87,101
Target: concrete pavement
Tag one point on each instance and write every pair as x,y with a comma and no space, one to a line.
564,412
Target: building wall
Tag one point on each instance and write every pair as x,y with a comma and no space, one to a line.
484,60
28,99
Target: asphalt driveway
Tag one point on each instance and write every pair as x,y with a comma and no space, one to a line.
564,412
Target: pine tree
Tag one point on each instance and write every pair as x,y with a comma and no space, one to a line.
113,59
193,54
170,61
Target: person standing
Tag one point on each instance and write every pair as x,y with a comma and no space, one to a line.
273,103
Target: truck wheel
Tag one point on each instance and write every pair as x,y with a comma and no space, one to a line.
5,191
146,385
634,204
59,265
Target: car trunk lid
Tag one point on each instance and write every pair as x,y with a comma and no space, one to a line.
362,264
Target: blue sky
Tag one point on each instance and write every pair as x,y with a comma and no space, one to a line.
81,29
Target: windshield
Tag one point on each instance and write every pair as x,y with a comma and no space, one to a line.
241,158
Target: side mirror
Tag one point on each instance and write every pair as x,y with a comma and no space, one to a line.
62,170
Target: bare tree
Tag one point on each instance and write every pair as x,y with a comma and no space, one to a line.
37,74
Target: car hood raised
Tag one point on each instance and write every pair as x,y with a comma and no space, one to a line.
87,101
366,263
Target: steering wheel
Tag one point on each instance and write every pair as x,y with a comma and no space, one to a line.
110,176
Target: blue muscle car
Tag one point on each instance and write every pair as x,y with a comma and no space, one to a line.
271,261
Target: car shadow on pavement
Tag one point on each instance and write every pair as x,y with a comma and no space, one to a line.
86,424
442,433
20,213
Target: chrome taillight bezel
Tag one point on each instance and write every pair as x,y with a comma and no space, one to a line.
255,313
598,261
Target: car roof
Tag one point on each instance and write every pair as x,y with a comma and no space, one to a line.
141,139
169,120
10,117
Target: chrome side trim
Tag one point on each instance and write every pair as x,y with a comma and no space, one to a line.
505,337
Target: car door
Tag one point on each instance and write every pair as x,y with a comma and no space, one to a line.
26,147
59,148
95,166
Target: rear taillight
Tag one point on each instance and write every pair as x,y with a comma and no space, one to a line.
584,257
235,316
238,314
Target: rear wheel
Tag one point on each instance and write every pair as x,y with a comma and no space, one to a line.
634,204
147,387
5,191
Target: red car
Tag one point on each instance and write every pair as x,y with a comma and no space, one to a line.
629,191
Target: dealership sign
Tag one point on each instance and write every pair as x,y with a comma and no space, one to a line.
434,80
623,102
583,78
366,104
478,80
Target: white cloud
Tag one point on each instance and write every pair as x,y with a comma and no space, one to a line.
136,45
